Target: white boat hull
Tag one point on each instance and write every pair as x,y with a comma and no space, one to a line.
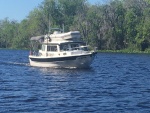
82,61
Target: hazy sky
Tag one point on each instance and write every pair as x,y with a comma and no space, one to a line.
19,9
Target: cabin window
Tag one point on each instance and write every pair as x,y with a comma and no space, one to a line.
74,46
52,48
84,48
64,47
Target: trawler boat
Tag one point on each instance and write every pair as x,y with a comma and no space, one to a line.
60,50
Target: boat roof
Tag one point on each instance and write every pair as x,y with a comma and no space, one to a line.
64,42
36,38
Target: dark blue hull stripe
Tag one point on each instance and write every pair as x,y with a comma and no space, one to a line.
58,59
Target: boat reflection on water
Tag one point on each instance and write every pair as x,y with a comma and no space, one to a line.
64,71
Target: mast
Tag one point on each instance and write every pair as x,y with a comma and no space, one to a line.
49,29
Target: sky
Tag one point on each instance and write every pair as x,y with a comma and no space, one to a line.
19,9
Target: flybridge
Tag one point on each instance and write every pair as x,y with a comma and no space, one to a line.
66,36
58,36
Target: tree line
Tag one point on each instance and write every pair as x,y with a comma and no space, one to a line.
112,25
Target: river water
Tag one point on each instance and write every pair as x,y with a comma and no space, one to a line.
115,83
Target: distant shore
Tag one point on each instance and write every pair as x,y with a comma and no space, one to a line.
123,51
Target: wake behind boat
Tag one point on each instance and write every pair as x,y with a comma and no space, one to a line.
60,50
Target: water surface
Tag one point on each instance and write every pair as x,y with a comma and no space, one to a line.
115,83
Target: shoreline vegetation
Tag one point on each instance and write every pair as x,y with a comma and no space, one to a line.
112,26
124,51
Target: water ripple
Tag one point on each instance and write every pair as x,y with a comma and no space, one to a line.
115,83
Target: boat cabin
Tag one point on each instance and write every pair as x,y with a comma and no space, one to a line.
61,49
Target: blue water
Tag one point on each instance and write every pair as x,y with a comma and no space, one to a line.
115,83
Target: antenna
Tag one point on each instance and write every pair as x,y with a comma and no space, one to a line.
63,27
49,29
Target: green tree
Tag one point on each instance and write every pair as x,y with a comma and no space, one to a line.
143,36
23,36
8,32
